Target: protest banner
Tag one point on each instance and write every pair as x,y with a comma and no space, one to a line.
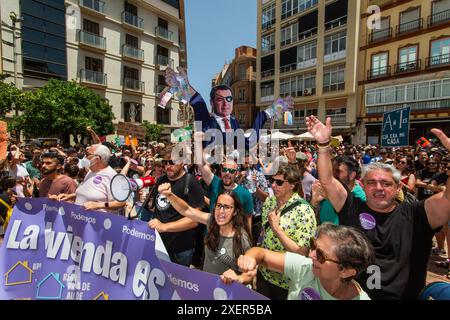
395,128
131,129
59,251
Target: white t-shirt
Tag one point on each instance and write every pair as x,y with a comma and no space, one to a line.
20,173
96,187
303,283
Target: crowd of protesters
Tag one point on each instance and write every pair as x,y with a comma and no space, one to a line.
313,228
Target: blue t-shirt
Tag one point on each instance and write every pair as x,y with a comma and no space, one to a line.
243,195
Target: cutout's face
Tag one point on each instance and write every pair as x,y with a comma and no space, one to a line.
229,172
223,103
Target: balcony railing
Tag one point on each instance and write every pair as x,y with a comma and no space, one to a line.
415,106
133,84
160,88
409,66
340,118
91,39
133,52
164,33
95,5
133,20
164,61
93,77
336,23
379,35
439,18
288,68
378,73
306,34
410,26
438,61
267,73
334,87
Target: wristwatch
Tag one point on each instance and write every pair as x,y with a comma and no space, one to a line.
106,204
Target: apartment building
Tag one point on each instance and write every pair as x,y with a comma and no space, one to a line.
117,48
308,49
240,75
405,61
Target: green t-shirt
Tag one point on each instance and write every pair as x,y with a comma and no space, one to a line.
243,195
327,212
304,285
32,171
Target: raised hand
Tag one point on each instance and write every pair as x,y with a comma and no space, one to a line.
442,138
320,131
247,265
165,189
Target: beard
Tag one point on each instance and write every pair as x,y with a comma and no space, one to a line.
46,172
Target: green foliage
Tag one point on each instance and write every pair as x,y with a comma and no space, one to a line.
9,94
61,108
153,130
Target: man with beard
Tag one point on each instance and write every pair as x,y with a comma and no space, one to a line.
229,170
53,182
401,234
177,232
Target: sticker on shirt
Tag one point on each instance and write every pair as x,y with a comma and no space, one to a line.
98,180
310,294
162,203
367,221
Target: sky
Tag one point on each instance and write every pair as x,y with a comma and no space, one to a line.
214,29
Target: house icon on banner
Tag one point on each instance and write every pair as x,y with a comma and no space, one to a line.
19,273
101,296
50,287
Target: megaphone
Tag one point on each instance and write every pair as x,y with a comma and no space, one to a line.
122,187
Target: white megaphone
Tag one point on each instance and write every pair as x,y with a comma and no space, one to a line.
122,187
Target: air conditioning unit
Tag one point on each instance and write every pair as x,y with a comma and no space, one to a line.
308,92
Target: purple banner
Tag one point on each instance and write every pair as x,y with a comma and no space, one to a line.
56,250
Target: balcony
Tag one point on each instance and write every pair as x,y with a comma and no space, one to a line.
378,73
334,56
133,85
164,61
91,40
132,53
408,27
341,21
306,34
407,67
93,77
267,73
93,7
164,34
420,106
132,21
442,60
288,68
159,88
334,87
338,119
380,35
439,18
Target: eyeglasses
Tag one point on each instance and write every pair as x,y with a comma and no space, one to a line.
227,98
432,163
167,162
320,255
277,181
402,162
226,207
229,170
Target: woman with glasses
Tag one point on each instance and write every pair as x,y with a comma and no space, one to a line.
228,235
338,255
288,222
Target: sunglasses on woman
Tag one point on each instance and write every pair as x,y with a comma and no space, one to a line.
320,255
277,181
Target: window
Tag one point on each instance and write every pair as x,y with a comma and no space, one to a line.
268,42
292,7
289,34
163,23
307,25
132,112
267,89
307,51
242,72
43,38
409,21
163,115
379,64
440,52
335,42
333,78
93,64
131,41
91,27
440,12
407,59
268,16
383,32
130,73
336,14
131,8
301,85
242,94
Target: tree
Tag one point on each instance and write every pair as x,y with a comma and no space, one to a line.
9,94
61,108
153,130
